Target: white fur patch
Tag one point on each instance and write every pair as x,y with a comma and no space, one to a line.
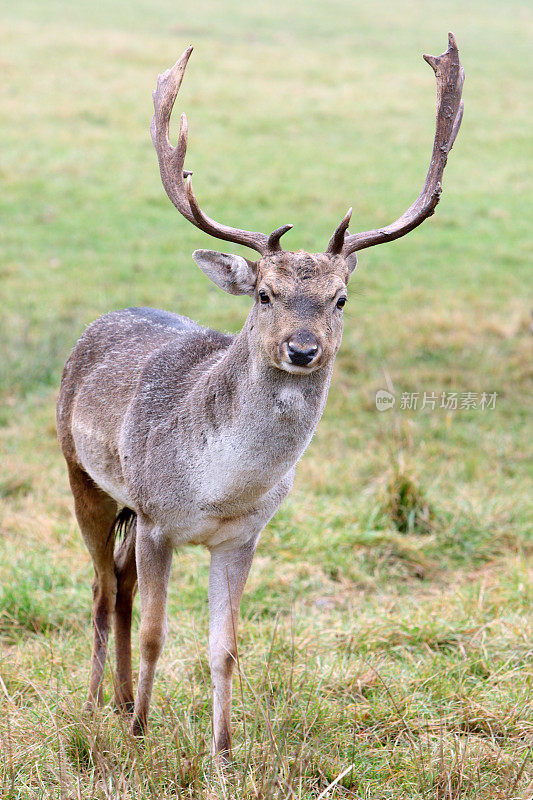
290,402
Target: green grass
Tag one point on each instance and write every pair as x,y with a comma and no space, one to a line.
386,624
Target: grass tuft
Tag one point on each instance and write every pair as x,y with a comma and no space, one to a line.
405,502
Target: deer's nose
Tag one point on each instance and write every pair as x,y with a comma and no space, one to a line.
302,348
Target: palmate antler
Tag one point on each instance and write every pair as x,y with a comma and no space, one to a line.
177,181
450,78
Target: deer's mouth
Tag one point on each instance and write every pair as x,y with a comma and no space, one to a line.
296,369
298,363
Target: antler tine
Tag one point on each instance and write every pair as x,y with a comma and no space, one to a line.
450,78
275,236
171,161
337,240
170,158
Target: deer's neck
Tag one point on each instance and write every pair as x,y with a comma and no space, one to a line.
258,419
269,396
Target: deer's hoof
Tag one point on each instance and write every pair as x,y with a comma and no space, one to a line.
138,727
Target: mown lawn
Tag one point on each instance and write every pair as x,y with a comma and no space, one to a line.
386,637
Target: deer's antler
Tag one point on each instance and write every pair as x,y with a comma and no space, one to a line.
177,181
450,78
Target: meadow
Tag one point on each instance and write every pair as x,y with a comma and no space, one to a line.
385,647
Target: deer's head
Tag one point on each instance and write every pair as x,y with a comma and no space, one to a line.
298,296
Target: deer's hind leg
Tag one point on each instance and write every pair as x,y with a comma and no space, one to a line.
96,512
126,572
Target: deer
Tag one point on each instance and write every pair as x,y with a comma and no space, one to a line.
175,433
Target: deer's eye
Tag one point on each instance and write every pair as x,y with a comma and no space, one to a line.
263,297
341,302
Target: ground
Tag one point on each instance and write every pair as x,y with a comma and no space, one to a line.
386,640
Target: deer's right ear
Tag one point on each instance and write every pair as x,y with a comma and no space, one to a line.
234,274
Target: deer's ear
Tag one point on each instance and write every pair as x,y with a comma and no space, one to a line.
234,274
351,262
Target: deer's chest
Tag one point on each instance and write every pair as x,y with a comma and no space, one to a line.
197,480
246,458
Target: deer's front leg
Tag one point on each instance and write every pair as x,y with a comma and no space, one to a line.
230,566
154,558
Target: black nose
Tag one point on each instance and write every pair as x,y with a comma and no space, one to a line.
301,355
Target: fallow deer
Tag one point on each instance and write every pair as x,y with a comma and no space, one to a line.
179,433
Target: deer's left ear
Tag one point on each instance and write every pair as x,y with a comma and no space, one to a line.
234,274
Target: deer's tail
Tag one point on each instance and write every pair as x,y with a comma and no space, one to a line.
123,524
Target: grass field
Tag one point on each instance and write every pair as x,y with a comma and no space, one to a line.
386,636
